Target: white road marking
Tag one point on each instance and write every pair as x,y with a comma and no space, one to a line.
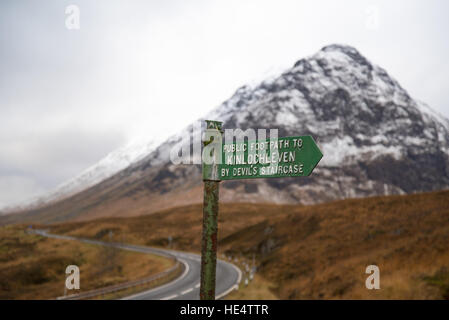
187,268
187,291
197,285
234,287
169,297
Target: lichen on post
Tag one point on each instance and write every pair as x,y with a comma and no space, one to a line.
211,160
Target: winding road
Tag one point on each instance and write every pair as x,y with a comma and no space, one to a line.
184,287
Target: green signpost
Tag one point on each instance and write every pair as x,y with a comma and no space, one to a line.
277,158
268,158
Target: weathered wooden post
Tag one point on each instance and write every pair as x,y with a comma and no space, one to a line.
211,159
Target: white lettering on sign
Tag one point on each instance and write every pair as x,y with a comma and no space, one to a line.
263,158
284,157
288,169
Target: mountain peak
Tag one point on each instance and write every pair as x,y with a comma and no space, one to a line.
338,53
341,48
349,51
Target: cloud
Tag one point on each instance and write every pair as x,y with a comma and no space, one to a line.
148,68
13,189
56,155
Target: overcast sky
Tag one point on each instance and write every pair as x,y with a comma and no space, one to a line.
144,69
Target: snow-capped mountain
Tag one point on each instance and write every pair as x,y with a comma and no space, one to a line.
375,138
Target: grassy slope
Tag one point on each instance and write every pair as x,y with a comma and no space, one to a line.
33,267
316,251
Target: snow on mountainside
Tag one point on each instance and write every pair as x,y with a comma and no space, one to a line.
335,90
375,139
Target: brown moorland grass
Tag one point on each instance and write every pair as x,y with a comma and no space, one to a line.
314,252
33,267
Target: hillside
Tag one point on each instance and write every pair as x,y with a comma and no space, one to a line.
33,267
314,252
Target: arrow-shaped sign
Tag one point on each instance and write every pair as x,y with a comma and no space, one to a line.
270,158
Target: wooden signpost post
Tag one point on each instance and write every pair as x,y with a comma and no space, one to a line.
268,158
